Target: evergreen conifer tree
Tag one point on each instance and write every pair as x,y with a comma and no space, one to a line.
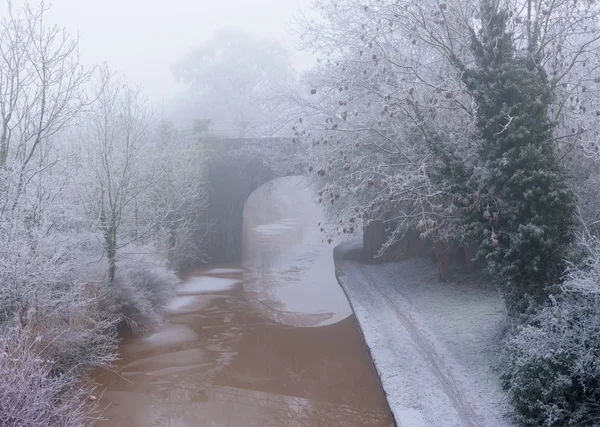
521,206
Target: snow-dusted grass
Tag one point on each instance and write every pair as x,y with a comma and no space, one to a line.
31,394
435,345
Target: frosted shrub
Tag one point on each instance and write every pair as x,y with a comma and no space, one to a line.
552,363
80,337
139,294
44,289
30,394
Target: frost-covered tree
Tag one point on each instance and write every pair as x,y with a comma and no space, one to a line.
181,192
414,111
524,207
369,154
234,80
51,328
42,88
83,181
122,170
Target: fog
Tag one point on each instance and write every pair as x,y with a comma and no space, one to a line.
262,200
143,38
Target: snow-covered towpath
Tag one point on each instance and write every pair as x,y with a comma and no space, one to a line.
434,345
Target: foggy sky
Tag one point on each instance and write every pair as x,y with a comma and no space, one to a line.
142,38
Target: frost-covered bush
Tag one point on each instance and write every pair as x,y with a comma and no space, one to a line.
552,362
139,293
31,394
80,336
45,289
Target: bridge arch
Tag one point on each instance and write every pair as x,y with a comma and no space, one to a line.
235,169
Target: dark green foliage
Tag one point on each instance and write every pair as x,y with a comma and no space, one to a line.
517,203
552,362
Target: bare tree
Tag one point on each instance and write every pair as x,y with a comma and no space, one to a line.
390,78
145,184
115,137
234,81
181,192
42,88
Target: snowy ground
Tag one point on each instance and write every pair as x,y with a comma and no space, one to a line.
434,344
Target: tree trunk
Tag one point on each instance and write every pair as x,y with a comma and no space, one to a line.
441,253
110,242
171,246
111,250
470,251
112,263
3,152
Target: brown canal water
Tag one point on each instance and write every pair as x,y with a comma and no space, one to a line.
269,342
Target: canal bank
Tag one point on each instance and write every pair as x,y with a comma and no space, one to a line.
434,345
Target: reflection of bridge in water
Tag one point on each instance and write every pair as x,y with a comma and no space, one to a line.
224,358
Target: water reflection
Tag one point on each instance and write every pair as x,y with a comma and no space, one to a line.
269,344
291,274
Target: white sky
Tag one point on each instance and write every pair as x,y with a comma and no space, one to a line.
142,38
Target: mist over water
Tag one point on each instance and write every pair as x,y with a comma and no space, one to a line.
269,342
167,170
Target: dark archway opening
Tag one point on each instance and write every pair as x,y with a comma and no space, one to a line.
236,168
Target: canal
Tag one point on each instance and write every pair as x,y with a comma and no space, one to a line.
270,341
